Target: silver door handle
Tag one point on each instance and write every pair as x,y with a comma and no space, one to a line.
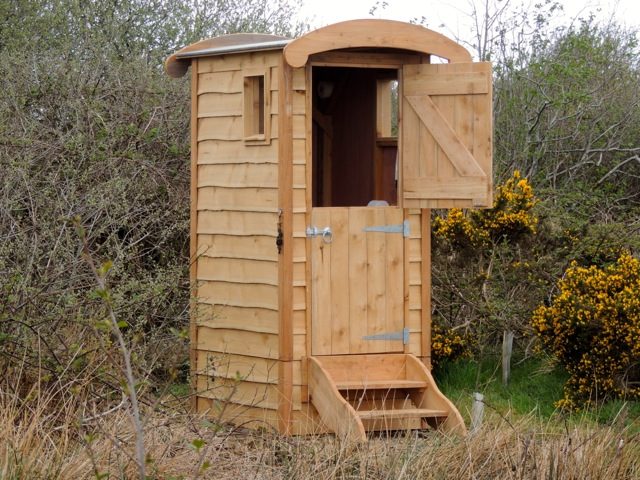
325,233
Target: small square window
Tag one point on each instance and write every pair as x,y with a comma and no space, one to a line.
256,114
387,109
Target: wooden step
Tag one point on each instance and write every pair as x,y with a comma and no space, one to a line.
379,384
401,413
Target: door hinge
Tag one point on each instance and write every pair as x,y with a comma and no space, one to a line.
402,335
404,228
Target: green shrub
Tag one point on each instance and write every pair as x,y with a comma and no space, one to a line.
593,327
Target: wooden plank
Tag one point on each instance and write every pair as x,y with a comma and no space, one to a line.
444,188
415,273
367,367
239,61
238,270
410,136
225,152
415,297
414,322
298,128
285,264
220,128
358,270
252,369
321,287
340,280
289,398
299,324
253,247
251,344
238,295
219,105
440,83
193,228
305,421
425,343
238,175
334,410
299,274
237,223
432,398
482,145
402,413
308,161
250,319
220,82
370,34
299,80
366,384
363,59
395,276
261,395
299,298
253,199
298,102
376,283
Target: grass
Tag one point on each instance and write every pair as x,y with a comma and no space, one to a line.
54,436
535,385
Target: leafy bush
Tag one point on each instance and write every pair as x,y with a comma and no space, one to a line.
509,219
447,345
484,276
593,327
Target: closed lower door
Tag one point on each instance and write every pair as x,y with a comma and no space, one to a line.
357,280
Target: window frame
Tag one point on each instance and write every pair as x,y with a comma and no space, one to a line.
253,108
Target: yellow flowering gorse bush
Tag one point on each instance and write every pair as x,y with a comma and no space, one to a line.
593,327
510,217
447,345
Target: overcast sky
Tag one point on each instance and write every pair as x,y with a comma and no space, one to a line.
454,14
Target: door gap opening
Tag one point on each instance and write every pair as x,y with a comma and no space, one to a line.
355,136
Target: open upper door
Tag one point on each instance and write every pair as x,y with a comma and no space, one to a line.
447,135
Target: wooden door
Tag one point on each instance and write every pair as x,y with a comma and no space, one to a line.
357,280
446,134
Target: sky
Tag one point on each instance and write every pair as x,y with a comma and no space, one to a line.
451,17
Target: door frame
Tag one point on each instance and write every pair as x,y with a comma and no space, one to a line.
351,60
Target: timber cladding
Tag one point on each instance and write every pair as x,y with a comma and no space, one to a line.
237,217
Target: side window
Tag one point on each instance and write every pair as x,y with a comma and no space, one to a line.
387,109
256,111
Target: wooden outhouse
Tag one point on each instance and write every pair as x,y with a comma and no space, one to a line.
315,163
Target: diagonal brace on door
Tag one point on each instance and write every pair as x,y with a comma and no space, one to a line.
403,228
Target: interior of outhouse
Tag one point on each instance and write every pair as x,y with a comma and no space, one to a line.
355,136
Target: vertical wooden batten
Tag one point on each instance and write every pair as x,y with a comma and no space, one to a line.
425,265
285,263
193,239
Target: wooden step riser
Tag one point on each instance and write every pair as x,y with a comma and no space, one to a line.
382,404
395,424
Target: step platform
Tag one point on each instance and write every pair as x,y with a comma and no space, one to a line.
356,394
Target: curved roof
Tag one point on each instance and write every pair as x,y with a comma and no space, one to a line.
374,33
350,34
178,63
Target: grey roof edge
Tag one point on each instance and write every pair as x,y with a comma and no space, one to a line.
248,47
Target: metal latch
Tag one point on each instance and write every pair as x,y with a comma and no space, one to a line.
403,228
325,233
402,335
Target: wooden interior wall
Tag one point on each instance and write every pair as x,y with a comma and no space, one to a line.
237,258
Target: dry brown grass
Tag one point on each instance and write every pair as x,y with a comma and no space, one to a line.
68,442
